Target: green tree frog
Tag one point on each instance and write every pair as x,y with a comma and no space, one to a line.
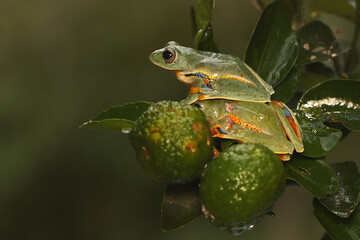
244,121
212,75
234,98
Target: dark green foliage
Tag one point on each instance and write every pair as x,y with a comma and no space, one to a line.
203,39
288,87
334,100
316,43
118,118
180,205
338,228
315,175
319,140
344,201
273,48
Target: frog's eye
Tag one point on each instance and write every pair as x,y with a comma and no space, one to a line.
169,55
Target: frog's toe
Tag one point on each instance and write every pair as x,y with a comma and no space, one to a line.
218,131
284,157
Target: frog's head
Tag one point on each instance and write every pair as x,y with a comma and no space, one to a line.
173,57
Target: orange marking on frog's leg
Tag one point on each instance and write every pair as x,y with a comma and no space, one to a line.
216,131
199,75
284,157
194,90
202,97
289,117
215,152
207,81
294,126
230,122
246,125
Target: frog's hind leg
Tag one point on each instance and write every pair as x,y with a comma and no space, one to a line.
290,124
284,157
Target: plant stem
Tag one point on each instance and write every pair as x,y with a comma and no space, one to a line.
258,4
353,48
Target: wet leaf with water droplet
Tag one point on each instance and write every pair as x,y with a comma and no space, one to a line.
316,43
180,205
319,140
273,49
334,100
118,118
345,200
315,175
338,228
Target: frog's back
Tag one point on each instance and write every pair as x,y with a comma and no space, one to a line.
212,75
225,65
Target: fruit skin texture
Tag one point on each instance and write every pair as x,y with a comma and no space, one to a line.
240,186
172,141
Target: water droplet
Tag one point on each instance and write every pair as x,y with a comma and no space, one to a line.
237,230
125,130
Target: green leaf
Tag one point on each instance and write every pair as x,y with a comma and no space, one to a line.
273,49
319,140
287,88
204,13
341,8
334,100
315,175
342,28
180,205
326,236
118,118
203,39
320,69
344,201
309,80
337,227
316,43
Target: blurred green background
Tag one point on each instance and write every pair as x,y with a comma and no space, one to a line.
61,63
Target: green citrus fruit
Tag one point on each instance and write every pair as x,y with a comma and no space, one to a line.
240,186
172,141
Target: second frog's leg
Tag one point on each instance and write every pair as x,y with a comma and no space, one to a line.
284,157
289,124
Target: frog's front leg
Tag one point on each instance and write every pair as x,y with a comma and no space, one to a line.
290,125
203,76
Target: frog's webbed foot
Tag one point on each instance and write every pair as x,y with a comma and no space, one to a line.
218,131
203,92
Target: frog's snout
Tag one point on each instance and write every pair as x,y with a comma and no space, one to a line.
156,57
